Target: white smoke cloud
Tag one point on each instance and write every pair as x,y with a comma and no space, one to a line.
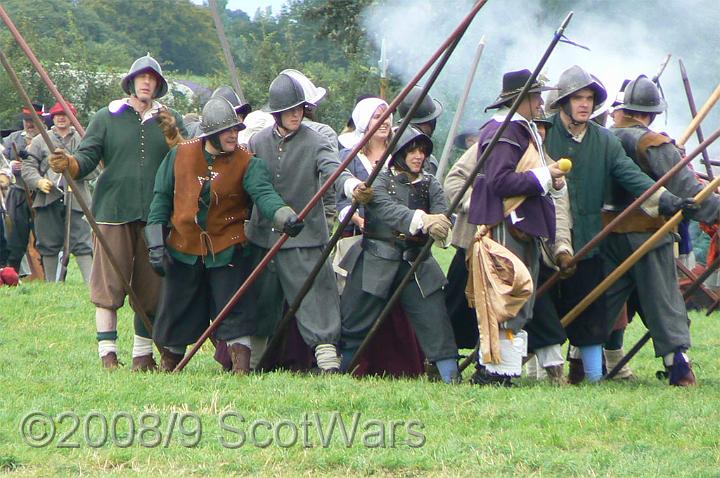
625,38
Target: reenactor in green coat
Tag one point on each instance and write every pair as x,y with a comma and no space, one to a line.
127,136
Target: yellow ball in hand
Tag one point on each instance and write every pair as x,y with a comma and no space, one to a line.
564,164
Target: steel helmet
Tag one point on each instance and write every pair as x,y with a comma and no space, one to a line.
644,96
410,135
620,96
218,115
313,94
241,106
141,65
575,79
428,110
285,93
543,119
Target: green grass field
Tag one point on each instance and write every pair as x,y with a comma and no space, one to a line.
49,364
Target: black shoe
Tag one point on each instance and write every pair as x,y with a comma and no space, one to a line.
432,372
482,377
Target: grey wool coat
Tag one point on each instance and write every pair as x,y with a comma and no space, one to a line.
388,215
37,166
297,163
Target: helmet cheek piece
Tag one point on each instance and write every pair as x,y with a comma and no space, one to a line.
278,118
214,139
567,108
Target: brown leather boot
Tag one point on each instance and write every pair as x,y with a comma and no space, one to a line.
144,363
110,361
240,356
432,372
556,374
169,360
576,372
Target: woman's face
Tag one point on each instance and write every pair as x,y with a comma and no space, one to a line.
415,159
383,131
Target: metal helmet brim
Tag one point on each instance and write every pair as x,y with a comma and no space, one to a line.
142,65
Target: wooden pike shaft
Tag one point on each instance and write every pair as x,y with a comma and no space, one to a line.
326,185
709,104
445,157
693,113
634,257
41,71
226,48
697,283
73,185
694,279
625,213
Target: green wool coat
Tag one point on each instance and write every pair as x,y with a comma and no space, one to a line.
132,150
598,160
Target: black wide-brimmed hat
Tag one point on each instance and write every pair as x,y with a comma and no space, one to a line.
541,118
513,82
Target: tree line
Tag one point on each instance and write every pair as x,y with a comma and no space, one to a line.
87,45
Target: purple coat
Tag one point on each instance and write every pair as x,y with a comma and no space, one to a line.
500,181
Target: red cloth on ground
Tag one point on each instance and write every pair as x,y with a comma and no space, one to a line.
9,276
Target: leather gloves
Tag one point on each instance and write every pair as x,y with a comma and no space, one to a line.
437,225
155,241
362,194
166,120
44,185
670,204
60,162
287,221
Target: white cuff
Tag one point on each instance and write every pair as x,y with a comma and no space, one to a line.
652,205
342,213
349,185
417,222
544,178
558,193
